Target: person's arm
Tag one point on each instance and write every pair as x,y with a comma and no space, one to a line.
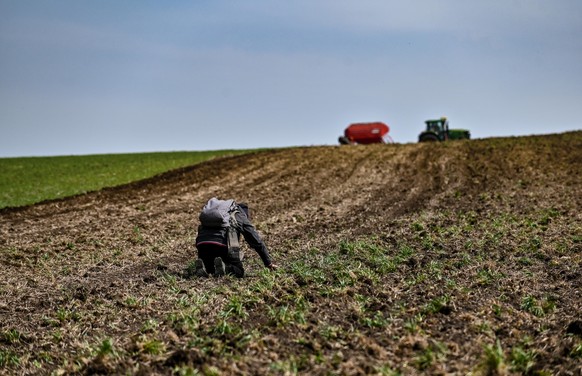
254,240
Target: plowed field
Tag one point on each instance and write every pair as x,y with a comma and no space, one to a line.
444,258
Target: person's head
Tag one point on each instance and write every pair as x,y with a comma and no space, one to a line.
245,208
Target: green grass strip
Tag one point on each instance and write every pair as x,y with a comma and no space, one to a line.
28,180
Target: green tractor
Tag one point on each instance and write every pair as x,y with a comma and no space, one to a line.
438,130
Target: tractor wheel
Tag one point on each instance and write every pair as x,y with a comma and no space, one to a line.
428,137
343,140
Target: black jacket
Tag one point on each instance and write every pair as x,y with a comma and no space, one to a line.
245,227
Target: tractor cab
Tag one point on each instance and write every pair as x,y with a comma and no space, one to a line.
436,130
439,127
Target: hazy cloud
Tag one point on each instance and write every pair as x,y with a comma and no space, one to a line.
165,76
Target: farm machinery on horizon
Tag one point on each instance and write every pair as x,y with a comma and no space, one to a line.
377,133
438,130
366,133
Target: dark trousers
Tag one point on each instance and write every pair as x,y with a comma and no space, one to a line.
208,252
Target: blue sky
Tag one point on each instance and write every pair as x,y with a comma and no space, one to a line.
110,76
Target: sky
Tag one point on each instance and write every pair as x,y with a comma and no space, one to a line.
96,77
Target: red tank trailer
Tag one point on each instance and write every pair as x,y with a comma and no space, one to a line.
366,133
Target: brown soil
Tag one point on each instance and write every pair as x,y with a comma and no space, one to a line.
70,266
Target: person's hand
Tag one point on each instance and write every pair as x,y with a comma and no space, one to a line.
273,266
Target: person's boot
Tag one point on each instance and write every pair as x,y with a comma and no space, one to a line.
200,269
219,267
